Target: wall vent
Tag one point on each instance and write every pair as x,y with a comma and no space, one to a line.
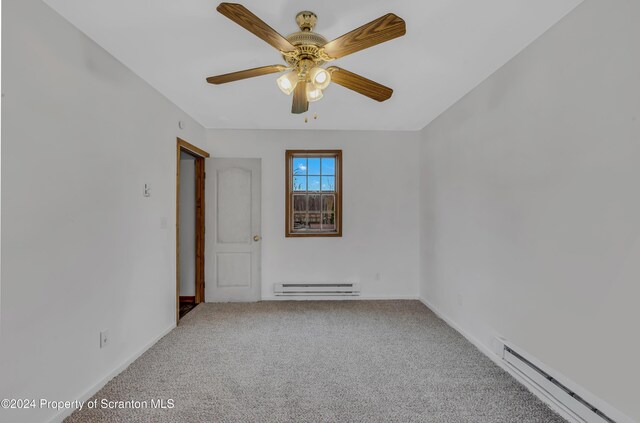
574,403
316,289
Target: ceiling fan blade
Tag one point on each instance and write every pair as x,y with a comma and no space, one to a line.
383,29
243,17
300,103
360,84
244,74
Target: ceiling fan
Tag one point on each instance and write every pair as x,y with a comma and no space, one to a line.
306,51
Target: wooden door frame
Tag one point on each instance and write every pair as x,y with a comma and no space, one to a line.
200,155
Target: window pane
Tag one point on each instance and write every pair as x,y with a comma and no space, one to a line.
314,220
328,166
328,221
314,203
328,183
300,166
299,183
314,166
314,183
300,203
328,203
300,221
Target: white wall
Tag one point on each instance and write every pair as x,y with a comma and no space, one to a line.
531,203
380,209
82,249
187,227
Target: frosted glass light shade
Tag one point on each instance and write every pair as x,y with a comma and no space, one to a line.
319,77
313,93
287,82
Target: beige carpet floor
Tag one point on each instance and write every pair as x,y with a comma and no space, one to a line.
320,361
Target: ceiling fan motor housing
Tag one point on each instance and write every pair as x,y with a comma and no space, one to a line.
306,20
307,42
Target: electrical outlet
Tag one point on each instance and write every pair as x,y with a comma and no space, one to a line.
104,338
378,276
460,298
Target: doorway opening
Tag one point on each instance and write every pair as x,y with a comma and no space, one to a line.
190,227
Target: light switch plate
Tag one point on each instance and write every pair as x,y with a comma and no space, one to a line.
104,338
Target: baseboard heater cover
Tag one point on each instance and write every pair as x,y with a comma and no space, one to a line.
317,289
569,399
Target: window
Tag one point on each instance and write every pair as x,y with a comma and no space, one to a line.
314,193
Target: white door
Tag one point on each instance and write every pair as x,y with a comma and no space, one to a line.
233,230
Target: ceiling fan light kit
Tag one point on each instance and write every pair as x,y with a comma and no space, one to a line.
306,51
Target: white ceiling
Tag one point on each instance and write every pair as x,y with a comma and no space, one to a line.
449,48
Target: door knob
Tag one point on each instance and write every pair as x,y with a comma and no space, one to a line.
256,238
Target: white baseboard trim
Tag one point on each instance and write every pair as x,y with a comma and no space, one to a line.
337,298
543,395
63,414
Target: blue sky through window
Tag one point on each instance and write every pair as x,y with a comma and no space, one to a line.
314,174
300,166
328,183
313,183
313,166
328,166
299,183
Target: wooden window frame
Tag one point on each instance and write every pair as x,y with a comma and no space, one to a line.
289,156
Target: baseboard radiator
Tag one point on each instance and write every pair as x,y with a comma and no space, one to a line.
583,410
317,289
